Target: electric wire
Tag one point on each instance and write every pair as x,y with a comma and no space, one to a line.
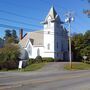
15,21
15,14
32,30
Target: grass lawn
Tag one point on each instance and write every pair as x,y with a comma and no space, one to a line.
34,67
78,66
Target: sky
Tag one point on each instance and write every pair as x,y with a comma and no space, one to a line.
29,14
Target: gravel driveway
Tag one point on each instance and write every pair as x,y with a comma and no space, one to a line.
54,66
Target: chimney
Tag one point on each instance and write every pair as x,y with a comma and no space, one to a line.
21,34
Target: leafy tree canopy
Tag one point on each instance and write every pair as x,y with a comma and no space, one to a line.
11,36
81,45
87,12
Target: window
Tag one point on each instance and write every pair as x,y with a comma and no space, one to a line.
49,18
48,32
29,50
48,46
49,21
38,52
49,24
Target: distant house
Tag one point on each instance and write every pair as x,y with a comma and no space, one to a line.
52,41
1,43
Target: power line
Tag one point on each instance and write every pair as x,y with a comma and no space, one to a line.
26,29
15,27
12,3
17,5
15,21
15,14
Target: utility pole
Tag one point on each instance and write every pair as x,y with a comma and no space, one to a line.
69,19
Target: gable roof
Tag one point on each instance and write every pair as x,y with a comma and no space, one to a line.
23,42
35,37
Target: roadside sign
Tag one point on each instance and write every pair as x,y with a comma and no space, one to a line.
84,57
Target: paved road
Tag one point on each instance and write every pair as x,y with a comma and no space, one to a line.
48,80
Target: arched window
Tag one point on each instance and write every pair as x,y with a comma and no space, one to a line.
49,21
29,49
38,52
48,32
48,46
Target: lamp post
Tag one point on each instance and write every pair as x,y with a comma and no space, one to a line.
68,20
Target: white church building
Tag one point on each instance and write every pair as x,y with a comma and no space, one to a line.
51,42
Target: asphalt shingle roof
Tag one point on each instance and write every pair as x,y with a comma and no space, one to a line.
35,37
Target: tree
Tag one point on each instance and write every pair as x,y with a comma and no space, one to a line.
9,56
77,45
86,51
1,42
87,12
81,45
14,34
87,35
87,38
11,36
7,34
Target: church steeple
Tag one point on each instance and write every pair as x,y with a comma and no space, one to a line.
52,16
52,13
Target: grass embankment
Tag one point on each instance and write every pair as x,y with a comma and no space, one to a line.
34,67
78,66
31,67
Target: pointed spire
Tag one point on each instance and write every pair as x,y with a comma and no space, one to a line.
52,13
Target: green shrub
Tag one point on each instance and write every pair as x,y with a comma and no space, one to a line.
9,55
31,61
86,61
38,59
47,59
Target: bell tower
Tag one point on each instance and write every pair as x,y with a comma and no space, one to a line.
55,36
49,33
